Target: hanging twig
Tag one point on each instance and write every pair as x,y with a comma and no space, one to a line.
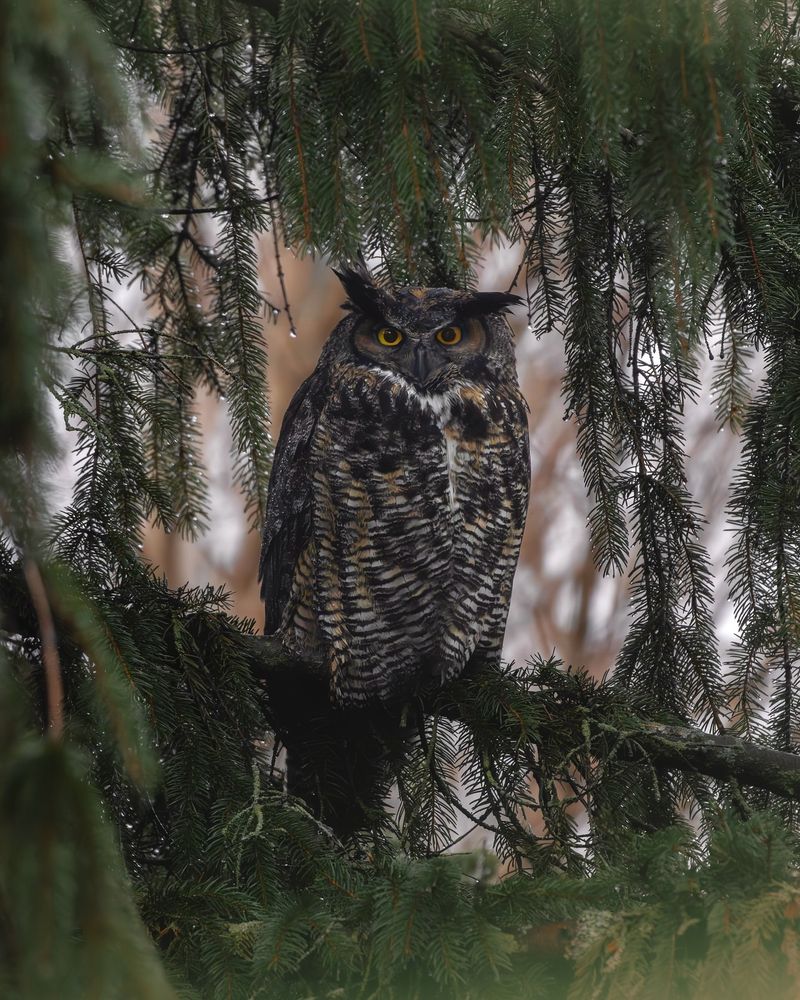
50,657
184,50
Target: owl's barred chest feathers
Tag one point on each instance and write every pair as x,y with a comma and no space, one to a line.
414,533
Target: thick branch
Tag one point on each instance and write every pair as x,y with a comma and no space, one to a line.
276,663
680,747
722,757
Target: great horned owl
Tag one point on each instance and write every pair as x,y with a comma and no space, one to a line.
399,492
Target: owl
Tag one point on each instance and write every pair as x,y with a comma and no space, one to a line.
398,494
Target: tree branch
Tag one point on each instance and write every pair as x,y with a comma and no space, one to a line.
681,747
722,757
276,663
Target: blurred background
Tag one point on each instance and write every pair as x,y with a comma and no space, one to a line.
560,602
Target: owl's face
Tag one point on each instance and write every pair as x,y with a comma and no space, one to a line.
425,335
420,353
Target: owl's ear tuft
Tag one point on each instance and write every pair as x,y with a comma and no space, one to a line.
485,303
363,294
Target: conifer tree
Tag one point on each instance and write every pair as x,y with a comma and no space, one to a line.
643,830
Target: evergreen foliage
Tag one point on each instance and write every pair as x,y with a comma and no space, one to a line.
647,158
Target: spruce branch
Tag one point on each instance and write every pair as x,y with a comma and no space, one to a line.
668,746
722,756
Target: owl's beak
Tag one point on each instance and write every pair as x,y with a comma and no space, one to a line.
423,362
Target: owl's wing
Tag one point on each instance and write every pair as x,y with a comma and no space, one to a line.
288,523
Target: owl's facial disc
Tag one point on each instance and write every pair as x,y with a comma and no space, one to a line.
419,355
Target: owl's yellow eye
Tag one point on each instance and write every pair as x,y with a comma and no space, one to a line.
389,337
449,336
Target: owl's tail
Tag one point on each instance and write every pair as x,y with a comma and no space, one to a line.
339,760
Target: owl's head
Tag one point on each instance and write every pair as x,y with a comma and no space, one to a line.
427,335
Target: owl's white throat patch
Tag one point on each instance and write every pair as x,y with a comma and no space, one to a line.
440,404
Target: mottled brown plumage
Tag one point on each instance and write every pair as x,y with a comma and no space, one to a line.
399,493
